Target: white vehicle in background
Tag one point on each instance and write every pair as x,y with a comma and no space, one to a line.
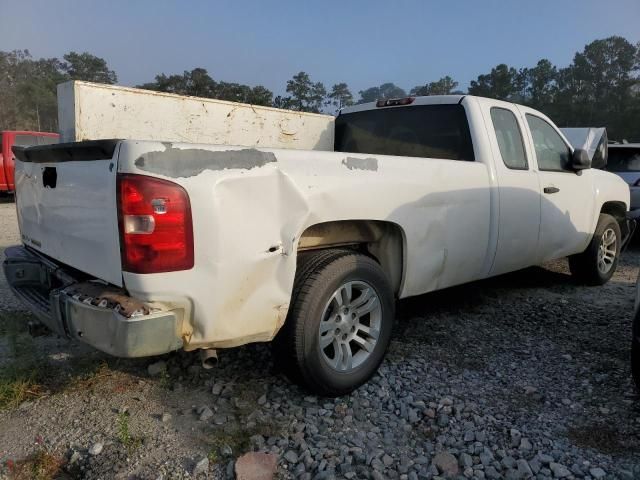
143,247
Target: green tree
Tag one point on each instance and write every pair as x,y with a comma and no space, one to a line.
13,73
500,83
384,91
198,83
170,84
260,95
162,83
282,102
601,87
232,92
306,96
38,95
541,84
84,66
28,100
340,96
520,86
444,86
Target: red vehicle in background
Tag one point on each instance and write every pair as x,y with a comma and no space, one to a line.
21,138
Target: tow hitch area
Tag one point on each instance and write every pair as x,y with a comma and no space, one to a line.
104,296
89,311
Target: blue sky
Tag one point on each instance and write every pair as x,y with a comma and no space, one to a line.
363,43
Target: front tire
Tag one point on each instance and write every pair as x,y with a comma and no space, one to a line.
597,264
339,324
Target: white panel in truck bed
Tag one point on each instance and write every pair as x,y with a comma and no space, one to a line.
89,111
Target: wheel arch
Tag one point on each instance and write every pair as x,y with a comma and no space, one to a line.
383,240
617,210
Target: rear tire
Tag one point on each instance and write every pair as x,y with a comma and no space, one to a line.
597,264
339,323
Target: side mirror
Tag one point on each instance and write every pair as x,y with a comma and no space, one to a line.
580,159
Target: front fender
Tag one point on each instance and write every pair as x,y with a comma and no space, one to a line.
610,191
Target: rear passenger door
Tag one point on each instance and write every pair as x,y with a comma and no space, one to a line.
519,190
567,200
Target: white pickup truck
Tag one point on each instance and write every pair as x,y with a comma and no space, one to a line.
140,247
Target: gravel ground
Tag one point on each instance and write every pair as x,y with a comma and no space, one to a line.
522,376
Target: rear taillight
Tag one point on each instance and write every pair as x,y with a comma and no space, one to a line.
156,232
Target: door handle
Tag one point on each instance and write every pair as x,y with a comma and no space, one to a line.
551,189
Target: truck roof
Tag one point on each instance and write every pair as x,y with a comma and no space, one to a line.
423,100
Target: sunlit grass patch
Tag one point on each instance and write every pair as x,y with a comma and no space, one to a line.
20,382
26,372
124,433
41,465
23,379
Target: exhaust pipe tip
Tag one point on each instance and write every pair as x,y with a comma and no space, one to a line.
209,358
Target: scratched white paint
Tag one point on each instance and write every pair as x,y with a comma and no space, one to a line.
89,111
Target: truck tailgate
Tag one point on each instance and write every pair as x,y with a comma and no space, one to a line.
67,207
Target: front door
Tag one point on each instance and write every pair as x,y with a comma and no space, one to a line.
567,198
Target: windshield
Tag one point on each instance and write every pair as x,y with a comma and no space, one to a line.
623,159
429,131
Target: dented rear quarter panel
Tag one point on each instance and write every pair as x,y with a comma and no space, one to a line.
250,208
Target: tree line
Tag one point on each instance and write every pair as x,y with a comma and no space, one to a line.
601,87
28,86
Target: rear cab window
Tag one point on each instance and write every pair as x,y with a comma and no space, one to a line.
509,138
427,131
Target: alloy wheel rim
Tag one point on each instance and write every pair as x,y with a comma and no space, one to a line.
607,251
350,326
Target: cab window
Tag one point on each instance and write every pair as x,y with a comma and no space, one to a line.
552,152
509,138
427,131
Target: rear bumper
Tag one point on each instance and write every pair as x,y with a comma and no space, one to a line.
91,312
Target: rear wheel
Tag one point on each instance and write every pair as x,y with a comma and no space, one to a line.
597,264
339,323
